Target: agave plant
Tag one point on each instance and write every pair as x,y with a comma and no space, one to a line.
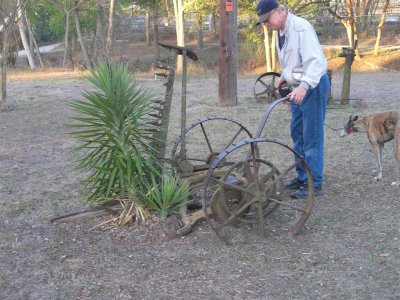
167,196
114,129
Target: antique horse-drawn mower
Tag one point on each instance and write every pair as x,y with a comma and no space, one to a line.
231,178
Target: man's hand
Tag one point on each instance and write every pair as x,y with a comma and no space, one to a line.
298,94
281,81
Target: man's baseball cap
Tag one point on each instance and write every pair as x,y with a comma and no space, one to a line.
264,8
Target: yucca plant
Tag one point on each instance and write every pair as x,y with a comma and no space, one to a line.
114,132
167,196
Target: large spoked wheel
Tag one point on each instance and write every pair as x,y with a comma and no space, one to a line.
202,145
265,90
252,189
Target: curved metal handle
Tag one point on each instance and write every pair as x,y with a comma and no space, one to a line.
267,113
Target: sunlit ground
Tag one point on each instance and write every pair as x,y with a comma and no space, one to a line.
43,74
384,61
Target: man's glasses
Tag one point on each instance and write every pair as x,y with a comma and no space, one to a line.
269,16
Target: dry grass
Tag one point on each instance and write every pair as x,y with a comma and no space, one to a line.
368,62
349,249
48,73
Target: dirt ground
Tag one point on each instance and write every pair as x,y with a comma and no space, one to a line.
349,249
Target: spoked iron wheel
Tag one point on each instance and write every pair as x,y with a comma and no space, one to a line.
265,90
202,144
238,186
252,189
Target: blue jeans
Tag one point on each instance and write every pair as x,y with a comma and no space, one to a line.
307,130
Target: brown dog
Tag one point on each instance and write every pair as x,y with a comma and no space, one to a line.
380,128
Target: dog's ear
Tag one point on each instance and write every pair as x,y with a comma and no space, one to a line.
351,117
355,118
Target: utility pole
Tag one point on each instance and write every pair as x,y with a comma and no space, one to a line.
228,58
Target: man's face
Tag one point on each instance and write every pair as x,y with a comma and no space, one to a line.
274,20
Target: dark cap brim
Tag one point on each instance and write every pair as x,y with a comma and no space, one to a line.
263,18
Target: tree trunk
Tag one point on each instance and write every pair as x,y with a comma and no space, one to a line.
148,28
80,37
32,38
71,49
180,30
3,68
349,54
155,34
66,39
267,49
350,22
350,34
363,15
273,51
380,26
110,30
214,24
99,35
351,27
358,14
344,99
222,56
31,45
25,41
7,29
212,27
368,13
233,65
199,19
227,87
210,20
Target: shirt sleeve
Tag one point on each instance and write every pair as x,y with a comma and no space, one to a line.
313,58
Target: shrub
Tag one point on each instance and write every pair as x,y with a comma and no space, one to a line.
114,134
167,196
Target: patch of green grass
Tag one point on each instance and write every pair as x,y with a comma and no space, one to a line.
380,246
12,242
95,287
317,221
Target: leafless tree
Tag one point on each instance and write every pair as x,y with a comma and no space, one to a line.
67,15
32,41
80,37
24,39
380,26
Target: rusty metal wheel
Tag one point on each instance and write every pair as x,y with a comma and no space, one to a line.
252,189
265,90
202,144
226,200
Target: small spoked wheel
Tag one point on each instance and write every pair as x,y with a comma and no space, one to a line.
265,90
239,186
202,145
252,191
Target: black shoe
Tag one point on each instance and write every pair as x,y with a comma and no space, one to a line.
302,192
294,184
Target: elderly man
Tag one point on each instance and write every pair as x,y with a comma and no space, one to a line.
303,67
